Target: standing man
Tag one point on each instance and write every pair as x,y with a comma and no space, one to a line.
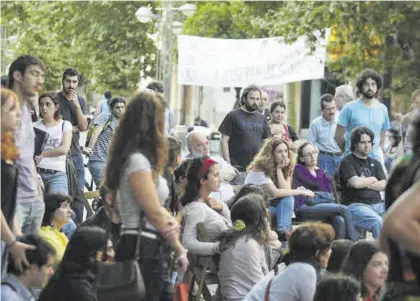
407,118
362,178
243,132
365,111
157,86
73,109
262,106
321,134
26,76
99,142
343,95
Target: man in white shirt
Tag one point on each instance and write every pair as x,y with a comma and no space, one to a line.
198,146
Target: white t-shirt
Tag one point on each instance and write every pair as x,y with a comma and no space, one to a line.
55,139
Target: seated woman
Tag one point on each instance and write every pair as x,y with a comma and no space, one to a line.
57,214
309,251
272,168
243,263
203,178
52,160
322,207
76,274
366,262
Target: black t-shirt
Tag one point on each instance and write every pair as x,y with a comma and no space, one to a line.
247,132
353,166
68,112
9,176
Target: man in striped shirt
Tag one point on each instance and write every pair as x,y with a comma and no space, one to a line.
99,142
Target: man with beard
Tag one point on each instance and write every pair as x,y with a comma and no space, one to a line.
262,106
321,134
99,142
365,111
26,76
243,132
73,108
362,178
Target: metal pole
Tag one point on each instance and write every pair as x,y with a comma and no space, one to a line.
168,51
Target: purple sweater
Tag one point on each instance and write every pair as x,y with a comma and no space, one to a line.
303,177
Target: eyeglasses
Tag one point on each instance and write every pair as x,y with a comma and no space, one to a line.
311,154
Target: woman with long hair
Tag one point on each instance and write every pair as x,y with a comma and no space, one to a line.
272,168
75,277
333,288
367,263
323,206
138,153
51,162
309,252
243,263
57,214
203,177
10,119
278,126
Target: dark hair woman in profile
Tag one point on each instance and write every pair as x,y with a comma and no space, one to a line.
243,263
335,288
367,263
137,157
339,250
76,274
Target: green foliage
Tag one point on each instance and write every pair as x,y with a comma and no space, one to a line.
102,39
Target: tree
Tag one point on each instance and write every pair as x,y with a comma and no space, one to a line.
102,39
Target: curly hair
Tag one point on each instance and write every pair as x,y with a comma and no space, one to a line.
250,209
364,75
264,160
9,150
141,129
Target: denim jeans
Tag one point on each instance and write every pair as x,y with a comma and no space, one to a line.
97,170
338,215
368,217
283,213
329,164
30,216
153,264
55,182
80,170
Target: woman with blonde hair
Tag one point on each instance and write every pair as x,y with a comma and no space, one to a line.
10,119
272,168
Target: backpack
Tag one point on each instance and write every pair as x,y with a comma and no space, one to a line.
92,127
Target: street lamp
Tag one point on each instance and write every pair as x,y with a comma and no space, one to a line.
167,28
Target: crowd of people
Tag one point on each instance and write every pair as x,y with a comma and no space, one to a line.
281,217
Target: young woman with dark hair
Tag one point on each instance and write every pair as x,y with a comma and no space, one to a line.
57,214
309,251
203,177
278,126
272,169
174,161
367,263
323,205
51,162
243,263
335,288
137,156
75,277
339,250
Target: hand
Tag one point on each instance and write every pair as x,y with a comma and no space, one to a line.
172,230
73,96
183,264
301,188
87,151
18,253
215,204
284,163
38,159
308,193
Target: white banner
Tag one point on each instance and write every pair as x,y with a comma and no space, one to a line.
238,63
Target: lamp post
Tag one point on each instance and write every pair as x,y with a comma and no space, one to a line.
165,38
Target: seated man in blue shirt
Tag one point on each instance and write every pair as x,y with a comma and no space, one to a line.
18,285
361,180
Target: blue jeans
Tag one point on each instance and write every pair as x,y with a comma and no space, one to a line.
329,164
30,216
283,213
368,217
97,170
55,182
338,215
80,170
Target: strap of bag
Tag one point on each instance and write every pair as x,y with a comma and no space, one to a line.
267,290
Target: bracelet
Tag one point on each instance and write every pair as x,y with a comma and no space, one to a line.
9,246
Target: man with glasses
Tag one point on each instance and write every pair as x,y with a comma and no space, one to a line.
99,143
362,179
321,134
